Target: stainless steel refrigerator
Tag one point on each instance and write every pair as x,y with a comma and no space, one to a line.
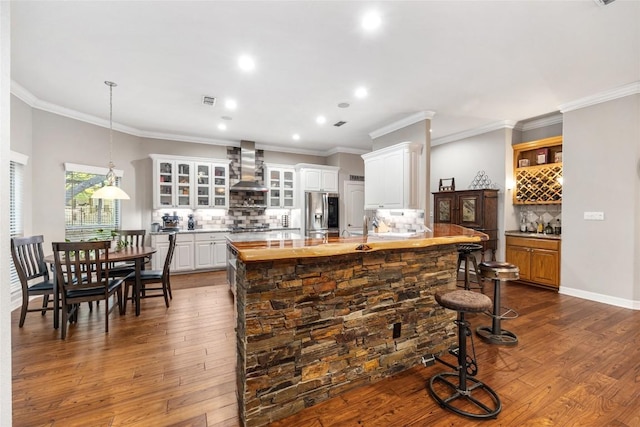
321,213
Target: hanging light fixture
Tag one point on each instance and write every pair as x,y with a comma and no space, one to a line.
110,191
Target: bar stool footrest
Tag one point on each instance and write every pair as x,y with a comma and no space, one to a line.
501,337
508,314
478,400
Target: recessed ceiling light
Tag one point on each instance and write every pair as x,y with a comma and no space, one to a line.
222,126
246,63
371,20
295,137
321,120
231,104
343,105
361,92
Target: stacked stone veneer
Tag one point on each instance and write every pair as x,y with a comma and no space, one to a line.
310,329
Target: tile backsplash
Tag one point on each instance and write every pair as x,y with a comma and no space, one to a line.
399,220
548,214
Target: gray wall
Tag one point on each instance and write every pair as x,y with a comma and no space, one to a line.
601,169
490,152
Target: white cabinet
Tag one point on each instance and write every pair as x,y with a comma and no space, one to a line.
392,177
172,183
182,255
210,250
184,182
211,185
282,184
318,178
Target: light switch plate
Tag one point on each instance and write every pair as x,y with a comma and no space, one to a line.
594,216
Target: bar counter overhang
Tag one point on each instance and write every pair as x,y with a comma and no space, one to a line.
318,317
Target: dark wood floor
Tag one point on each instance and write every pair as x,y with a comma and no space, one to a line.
577,364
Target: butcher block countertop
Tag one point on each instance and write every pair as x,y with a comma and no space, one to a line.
269,250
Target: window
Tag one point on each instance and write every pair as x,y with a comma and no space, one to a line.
87,218
16,219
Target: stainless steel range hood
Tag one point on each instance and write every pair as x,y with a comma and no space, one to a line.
248,180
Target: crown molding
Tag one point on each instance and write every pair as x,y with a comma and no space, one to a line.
402,123
598,98
20,92
540,123
346,150
504,124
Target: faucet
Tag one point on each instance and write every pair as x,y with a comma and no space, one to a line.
365,227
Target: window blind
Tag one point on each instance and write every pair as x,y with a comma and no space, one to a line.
16,226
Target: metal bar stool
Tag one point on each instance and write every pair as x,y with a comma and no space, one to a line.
466,254
467,396
498,272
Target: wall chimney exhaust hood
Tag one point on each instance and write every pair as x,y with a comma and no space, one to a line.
248,181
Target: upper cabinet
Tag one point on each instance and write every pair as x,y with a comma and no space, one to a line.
538,172
189,183
318,177
281,183
173,183
211,185
392,177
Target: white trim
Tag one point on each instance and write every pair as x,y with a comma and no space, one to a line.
14,156
96,170
402,123
540,123
505,124
188,159
598,98
605,299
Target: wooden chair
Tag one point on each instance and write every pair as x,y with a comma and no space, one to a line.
132,238
28,259
160,278
81,279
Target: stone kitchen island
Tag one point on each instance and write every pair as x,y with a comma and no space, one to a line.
318,317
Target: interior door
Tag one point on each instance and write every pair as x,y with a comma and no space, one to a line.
353,206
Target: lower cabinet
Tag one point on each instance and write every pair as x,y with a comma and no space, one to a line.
537,259
210,250
194,251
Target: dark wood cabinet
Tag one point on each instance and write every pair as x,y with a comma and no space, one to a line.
477,209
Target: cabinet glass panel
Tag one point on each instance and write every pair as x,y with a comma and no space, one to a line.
444,209
469,210
274,178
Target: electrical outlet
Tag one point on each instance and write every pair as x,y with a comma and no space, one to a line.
594,216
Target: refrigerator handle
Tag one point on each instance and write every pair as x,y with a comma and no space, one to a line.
325,210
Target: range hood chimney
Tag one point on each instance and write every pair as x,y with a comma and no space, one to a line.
248,180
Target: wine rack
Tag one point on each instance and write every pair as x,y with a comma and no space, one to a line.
539,184
538,178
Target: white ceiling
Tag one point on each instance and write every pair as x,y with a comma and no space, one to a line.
473,63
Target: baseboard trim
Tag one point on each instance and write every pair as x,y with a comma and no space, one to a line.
605,299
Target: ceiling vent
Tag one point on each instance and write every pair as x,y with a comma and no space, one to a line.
603,2
209,100
340,123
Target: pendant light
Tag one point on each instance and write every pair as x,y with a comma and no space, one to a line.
110,191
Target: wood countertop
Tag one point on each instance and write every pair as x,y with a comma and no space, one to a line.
269,250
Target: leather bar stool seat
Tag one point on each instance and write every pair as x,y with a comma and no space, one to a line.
460,391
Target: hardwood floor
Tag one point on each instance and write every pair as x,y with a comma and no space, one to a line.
577,364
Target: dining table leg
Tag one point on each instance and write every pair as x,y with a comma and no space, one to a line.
138,286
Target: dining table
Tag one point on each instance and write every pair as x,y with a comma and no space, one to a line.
137,254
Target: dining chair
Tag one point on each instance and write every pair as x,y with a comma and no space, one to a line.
82,274
28,259
131,238
160,278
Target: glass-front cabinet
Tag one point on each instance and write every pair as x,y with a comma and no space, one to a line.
212,185
281,183
173,184
189,183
